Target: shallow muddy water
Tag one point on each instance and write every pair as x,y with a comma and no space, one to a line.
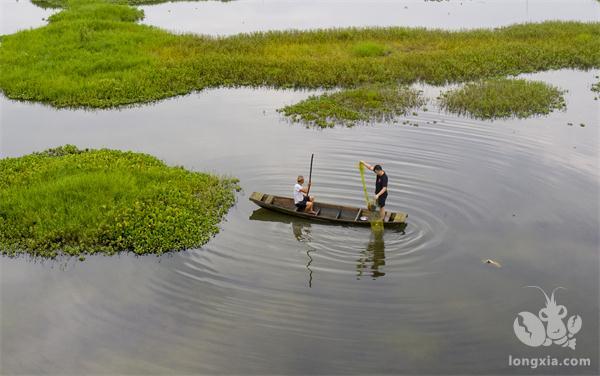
243,16
272,294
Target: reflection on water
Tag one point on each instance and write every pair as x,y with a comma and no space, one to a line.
301,229
374,256
370,260
301,232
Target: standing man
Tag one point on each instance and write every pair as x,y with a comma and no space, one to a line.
381,184
302,200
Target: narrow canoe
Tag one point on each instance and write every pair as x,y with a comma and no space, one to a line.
325,212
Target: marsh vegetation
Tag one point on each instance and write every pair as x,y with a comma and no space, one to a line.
503,98
73,202
353,106
93,54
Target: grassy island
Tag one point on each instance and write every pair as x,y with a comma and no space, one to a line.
353,106
73,202
94,54
503,98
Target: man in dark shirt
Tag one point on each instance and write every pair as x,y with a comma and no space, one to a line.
381,184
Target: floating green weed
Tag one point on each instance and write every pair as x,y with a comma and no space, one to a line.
71,201
93,54
348,107
503,98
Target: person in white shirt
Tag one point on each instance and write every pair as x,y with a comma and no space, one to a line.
302,200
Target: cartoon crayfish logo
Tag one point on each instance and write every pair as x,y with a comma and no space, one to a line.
530,329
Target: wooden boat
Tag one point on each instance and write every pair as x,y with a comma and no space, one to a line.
325,212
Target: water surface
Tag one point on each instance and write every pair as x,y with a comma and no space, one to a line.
243,16
273,294
16,15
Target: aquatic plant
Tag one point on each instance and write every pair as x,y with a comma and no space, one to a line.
349,107
50,3
93,54
64,3
73,202
503,98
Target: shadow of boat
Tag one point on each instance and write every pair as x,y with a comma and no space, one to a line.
370,261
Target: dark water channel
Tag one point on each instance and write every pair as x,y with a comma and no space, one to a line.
272,294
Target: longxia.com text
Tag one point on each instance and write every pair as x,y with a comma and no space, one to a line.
548,361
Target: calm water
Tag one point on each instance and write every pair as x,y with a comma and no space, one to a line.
226,18
214,17
275,295
18,15
271,294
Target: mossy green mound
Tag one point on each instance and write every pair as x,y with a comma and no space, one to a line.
349,107
94,54
70,201
503,98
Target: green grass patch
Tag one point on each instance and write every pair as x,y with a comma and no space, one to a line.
50,3
73,202
503,98
370,49
349,107
94,54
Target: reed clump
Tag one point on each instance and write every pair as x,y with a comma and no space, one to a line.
94,54
503,98
67,201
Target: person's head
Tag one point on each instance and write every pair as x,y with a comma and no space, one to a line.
300,179
378,170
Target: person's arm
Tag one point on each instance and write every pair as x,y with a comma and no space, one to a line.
383,190
366,165
305,190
